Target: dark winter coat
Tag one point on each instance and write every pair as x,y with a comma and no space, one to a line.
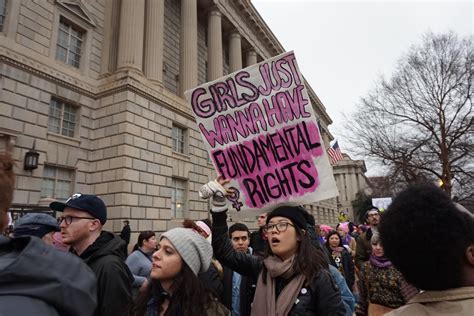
125,234
258,242
347,266
211,281
114,280
247,291
322,297
37,279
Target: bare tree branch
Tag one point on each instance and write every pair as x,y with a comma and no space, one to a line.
419,123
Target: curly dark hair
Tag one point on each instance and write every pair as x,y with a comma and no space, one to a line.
184,301
425,235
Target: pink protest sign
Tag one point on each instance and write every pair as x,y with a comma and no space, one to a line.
260,131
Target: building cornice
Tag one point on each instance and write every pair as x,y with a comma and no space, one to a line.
121,81
271,42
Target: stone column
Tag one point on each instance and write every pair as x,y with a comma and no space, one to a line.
251,57
355,187
188,75
155,19
110,43
132,27
214,45
235,52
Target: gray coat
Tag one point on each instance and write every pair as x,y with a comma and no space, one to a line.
37,279
139,264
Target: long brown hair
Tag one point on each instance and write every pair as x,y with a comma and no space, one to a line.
189,297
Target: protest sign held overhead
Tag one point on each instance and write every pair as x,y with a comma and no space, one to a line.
260,131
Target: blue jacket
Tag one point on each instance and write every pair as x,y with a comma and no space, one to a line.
346,294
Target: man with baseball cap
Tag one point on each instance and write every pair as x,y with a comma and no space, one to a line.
81,227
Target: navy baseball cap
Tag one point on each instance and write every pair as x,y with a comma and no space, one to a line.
89,203
35,224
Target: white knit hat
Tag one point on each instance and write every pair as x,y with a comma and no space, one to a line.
192,247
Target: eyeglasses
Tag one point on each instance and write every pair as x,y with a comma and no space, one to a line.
280,227
68,219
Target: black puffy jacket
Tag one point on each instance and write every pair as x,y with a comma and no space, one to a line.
322,297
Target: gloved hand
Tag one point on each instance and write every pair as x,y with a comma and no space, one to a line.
215,191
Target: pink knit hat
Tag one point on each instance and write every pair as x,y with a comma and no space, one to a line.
344,226
204,227
326,228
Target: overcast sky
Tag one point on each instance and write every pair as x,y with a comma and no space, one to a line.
343,46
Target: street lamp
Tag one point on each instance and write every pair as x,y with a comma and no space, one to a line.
31,159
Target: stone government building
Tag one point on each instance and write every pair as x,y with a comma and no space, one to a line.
96,88
350,179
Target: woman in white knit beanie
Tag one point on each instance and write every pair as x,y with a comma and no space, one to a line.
175,288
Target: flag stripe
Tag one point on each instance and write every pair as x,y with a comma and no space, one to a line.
335,153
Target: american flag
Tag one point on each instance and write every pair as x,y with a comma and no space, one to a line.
334,153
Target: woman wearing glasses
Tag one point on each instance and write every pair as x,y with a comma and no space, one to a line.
139,261
293,276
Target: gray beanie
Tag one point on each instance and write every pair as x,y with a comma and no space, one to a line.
192,247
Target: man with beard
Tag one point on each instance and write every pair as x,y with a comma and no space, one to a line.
81,227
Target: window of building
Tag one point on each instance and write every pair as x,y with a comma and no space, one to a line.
68,47
178,197
179,139
62,118
57,182
3,13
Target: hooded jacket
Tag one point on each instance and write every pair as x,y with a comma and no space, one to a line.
114,280
37,279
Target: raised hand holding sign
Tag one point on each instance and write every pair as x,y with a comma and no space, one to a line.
261,133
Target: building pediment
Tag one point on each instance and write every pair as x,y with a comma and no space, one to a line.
77,8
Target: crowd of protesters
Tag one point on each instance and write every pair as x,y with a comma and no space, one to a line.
417,258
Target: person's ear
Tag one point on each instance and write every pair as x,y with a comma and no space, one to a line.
94,225
470,254
303,232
